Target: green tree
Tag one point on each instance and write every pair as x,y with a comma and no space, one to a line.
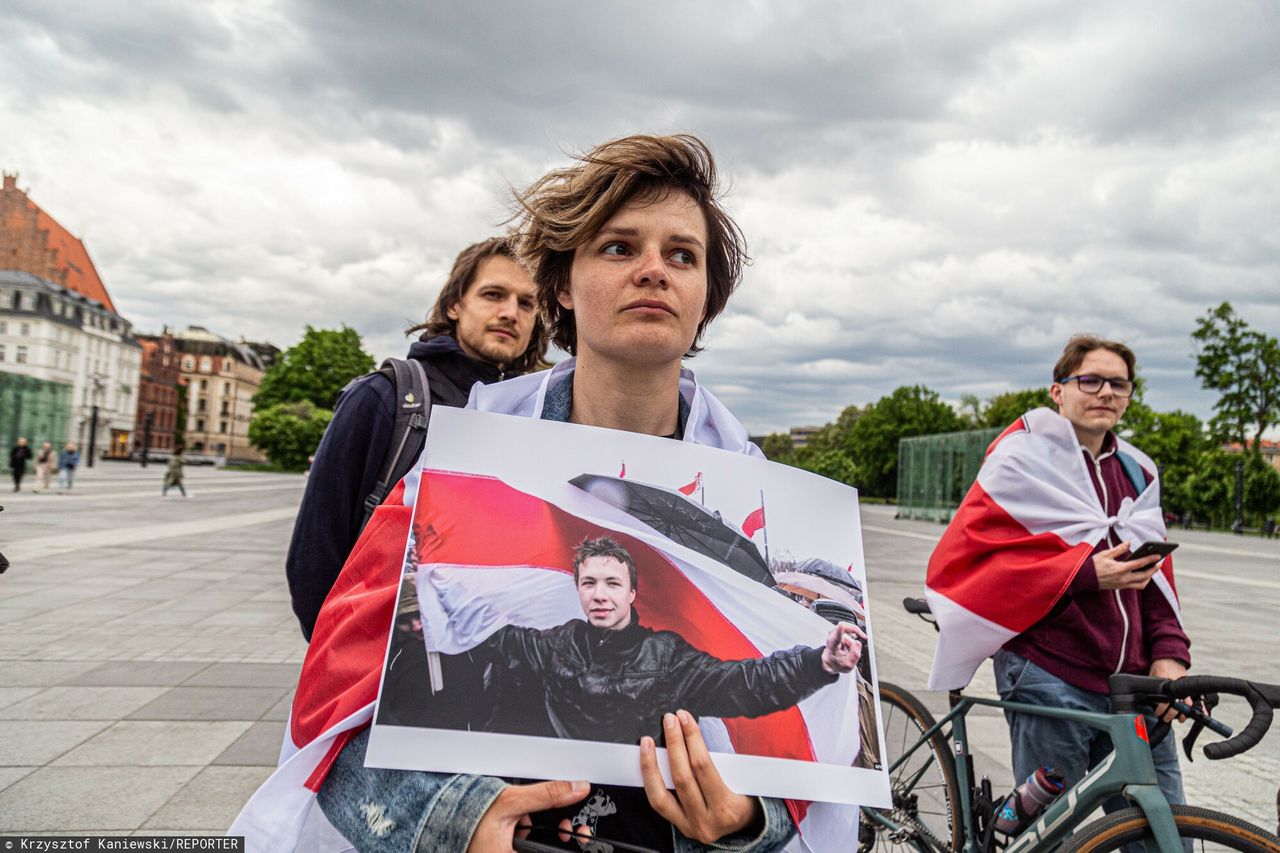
909,410
1003,409
289,432
1175,441
777,446
1213,488
316,368
1243,366
832,464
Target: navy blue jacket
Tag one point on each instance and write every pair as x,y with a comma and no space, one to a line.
349,461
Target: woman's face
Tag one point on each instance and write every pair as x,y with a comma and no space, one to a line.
638,288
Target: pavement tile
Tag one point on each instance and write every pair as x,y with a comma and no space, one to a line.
37,742
10,695
40,673
156,743
90,798
245,675
81,703
280,711
9,775
140,674
162,589
244,616
210,703
211,800
259,746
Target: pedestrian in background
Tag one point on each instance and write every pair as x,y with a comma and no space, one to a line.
44,465
18,457
68,459
173,474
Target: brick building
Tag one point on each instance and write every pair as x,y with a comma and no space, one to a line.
157,394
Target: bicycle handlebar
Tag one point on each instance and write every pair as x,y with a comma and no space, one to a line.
1128,692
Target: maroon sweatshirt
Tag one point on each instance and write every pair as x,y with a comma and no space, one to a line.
1092,633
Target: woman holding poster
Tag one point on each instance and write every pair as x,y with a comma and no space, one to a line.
632,256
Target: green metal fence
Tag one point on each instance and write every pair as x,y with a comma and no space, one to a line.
935,471
35,408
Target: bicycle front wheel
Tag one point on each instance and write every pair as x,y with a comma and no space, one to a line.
924,787
1206,829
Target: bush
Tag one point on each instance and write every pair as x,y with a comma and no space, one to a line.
289,432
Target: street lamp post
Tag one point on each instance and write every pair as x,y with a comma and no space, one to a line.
93,433
1238,527
146,437
93,419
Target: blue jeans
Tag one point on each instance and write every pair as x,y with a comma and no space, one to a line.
1070,748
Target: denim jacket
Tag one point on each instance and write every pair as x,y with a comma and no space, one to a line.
383,810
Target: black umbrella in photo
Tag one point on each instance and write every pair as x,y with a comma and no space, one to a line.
681,520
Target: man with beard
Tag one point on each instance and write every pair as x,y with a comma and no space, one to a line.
483,328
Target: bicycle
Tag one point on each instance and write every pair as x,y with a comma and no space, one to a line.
940,805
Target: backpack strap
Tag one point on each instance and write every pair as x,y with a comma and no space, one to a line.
1133,471
412,412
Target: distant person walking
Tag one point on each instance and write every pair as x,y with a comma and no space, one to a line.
44,465
68,459
18,458
173,474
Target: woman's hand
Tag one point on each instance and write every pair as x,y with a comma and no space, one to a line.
702,807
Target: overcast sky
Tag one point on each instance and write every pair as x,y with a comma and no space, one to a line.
932,193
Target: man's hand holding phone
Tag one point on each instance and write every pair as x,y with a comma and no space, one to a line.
1116,568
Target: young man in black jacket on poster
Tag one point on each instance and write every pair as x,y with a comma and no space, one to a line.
483,328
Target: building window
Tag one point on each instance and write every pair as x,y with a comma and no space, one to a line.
226,389
1,352
222,427
4,328
200,405
24,329
27,301
188,363
226,407
199,424
20,355
206,364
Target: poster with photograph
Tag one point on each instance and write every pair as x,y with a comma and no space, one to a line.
564,586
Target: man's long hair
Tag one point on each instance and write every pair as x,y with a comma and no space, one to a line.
461,277
565,208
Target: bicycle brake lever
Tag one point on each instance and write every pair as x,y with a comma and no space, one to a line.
1189,742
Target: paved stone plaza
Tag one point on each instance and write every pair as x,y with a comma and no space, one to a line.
147,648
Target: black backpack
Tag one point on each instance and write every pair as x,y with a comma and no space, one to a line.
413,410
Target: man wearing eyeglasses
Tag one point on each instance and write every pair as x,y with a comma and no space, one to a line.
1112,617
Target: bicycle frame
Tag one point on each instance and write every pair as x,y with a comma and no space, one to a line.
1129,770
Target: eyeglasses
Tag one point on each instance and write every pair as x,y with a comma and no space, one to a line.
1091,384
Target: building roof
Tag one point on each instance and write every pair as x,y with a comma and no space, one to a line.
68,259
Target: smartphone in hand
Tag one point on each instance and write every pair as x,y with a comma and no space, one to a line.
1148,549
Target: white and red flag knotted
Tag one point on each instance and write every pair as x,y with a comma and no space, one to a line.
1026,526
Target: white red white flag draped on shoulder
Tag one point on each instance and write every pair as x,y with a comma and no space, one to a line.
1026,526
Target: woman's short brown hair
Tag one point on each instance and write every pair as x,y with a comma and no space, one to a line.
1073,355
565,208
461,277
